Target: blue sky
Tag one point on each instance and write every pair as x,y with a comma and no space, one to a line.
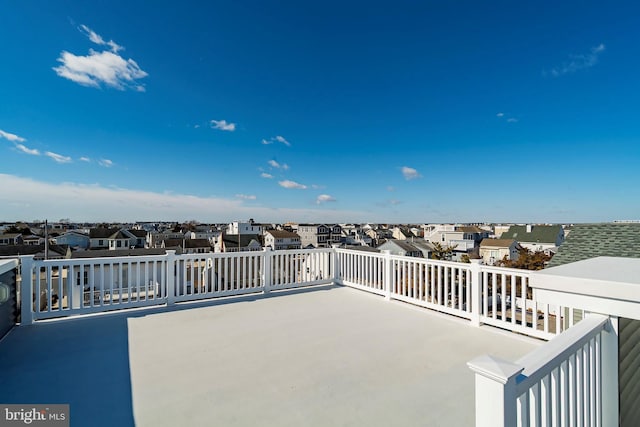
325,111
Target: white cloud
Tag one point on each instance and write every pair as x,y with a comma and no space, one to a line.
282,140
25,198
101,68
97,39
323,198
579,62
58,158
11,137
223,125
276,165
317,187
105,163
246,196
266,175
292,185
410,173
500,115
278,138
26,150
84,159
512,120
390,188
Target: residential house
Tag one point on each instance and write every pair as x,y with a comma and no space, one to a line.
119,240
401,233
74,239
32,240
211,235
11,239
379,235
249,227
99,237
494,250
318,235
155,239
240,243
354,235
281,239
188,246
402,248
138,238
465,239
425,247
536,237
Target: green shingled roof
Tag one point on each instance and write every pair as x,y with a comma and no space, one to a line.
539,233
592,240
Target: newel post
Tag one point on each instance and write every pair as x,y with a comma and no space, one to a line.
171,277
388,276
26,289
335,262
496,391
610,366
476,291
266,270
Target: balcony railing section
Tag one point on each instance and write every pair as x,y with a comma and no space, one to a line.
61,288
494,296
563,383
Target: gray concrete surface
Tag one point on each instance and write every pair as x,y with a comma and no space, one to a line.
332,357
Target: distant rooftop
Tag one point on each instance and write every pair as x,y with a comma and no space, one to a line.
592,240
538,233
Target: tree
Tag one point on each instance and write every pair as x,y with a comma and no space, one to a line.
527,260
442,252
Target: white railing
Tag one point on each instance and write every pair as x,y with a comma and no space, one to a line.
500,297
67,287
59,288
508,302
569,381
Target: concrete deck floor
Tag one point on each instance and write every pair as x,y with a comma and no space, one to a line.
314,357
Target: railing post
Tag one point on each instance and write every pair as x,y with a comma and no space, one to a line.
266,270
496,391
388,276
610,387
26,290
476,291
335,262
171,277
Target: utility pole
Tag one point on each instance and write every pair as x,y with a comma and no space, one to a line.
46,239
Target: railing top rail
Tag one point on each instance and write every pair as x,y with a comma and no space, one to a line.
303,251
7,265
363,253
540,361
432,261
505,270
98,260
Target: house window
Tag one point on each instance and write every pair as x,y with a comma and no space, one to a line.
100,242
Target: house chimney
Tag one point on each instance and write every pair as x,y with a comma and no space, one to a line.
529,227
